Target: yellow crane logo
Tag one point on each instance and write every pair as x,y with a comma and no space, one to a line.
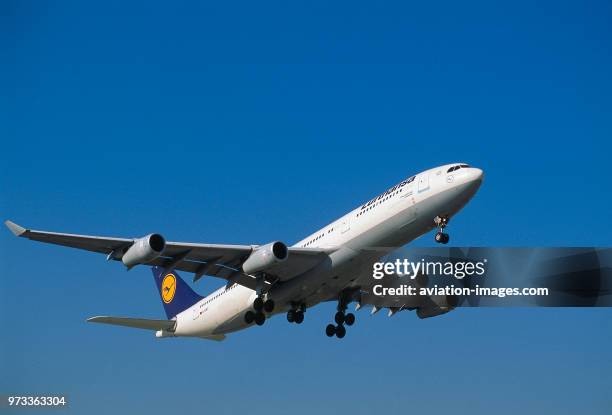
168,288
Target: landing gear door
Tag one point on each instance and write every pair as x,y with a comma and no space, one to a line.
423,182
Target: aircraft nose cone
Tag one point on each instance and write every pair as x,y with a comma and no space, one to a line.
476,174
471,181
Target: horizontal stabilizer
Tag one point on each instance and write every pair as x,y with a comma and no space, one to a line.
138,323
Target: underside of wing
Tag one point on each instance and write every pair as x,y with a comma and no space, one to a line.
206,260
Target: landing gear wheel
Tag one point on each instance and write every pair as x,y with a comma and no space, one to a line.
260,318
442,238
299,317
268,306
340,331
291,316
349,319
339,317
441,223
258,304
249,317
330,330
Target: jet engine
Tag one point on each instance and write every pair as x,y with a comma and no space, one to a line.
265,257
144,249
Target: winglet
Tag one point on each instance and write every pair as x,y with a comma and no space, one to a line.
16,229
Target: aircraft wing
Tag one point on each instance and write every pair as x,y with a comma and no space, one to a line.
222,261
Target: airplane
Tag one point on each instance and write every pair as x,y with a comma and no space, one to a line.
332,264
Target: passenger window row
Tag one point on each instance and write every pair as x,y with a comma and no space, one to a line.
218,295
378,203
330,230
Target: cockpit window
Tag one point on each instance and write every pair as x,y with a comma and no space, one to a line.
461,166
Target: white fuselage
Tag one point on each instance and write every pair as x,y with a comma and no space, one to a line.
355,240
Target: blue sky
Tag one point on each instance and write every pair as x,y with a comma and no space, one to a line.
251,122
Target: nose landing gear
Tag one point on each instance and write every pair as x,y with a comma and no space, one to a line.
442,238
441,222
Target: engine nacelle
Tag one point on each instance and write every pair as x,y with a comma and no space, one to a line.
265,257
431,312
144,249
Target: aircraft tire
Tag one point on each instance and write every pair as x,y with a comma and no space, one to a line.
258,304
268,306
260,318
340,331
339,318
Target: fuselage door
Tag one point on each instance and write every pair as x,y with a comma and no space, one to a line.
195,312
423,179
346,224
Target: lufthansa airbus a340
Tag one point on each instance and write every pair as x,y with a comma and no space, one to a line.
332,264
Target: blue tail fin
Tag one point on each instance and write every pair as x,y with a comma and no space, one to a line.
176,294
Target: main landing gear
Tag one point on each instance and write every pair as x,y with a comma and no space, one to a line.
296,314
259,306
441,222
341,318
